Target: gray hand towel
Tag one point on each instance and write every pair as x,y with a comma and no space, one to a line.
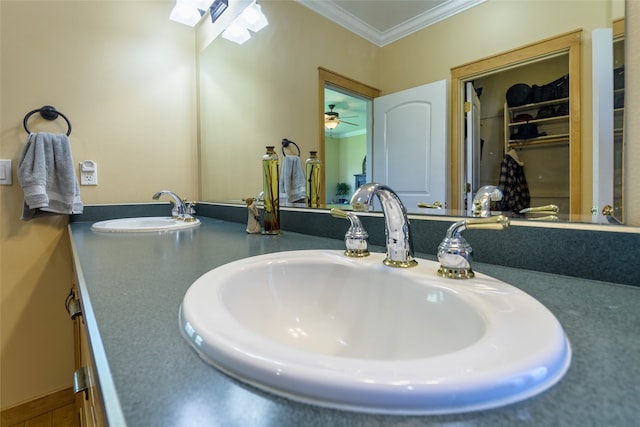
47,177
292,180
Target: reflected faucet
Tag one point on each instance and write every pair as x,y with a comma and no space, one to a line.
182,213
484,197
397,231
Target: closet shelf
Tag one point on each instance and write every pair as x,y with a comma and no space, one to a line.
546,120
541,140
538,105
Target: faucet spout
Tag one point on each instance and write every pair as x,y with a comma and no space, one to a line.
397,230
483,198
180,209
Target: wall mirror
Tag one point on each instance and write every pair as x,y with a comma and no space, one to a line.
268,89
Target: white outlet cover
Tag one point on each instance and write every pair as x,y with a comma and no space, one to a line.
88,172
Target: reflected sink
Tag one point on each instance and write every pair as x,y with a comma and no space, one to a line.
142,224
317,327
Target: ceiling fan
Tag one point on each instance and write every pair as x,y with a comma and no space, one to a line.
332,118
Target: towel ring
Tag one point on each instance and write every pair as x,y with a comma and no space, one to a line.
285,143
48,113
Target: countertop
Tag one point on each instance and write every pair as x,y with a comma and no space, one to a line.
132,286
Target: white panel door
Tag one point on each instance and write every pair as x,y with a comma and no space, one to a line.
410,143
602,69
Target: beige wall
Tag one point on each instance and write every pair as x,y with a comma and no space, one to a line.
343,159
126,78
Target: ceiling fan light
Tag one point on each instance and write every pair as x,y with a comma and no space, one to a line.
331,124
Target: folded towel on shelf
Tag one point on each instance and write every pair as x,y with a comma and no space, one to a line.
47,176
292,180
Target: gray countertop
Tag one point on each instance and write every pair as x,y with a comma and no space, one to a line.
132,287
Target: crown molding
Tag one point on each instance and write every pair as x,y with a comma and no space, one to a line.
333,12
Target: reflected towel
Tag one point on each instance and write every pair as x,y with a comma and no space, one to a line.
292,180
47,177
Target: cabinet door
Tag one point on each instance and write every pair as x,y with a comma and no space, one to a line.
88,400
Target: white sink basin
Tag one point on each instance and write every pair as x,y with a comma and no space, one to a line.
143,224
318,327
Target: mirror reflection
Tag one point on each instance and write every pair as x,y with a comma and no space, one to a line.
267,89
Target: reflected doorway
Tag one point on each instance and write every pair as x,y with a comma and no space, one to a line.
346,138
329,80
566,47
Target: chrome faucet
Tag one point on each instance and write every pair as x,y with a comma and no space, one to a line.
484,197
397,231
181,211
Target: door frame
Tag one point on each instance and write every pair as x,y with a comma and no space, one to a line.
565,43
362,90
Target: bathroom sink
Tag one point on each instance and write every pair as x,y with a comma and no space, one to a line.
142,224
317,327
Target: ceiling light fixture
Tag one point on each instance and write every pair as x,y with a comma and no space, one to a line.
188,12
251,18
331,124
236,33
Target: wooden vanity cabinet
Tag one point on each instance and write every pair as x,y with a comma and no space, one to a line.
89,404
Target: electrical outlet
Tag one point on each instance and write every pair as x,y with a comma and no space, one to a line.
88,172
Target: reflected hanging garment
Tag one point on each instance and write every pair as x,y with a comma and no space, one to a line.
513,185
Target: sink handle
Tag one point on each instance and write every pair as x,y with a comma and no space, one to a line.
548,209
190,206
356,236
455,253
434,205
498,222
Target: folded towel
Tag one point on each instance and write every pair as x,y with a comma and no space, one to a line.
47,177
292,180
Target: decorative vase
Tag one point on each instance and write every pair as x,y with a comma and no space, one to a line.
271,191
313,180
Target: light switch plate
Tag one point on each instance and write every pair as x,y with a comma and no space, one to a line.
6,177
